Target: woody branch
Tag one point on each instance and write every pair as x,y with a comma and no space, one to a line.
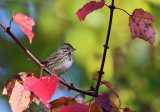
90,93
7,30
100,72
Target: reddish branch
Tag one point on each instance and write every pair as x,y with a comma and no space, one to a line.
70,86
7,30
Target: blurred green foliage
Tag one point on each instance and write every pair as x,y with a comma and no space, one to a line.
133,66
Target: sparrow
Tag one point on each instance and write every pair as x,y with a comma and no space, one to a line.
61,60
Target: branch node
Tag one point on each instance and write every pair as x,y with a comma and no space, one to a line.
100,72
112,7
96,93
71,84
7,29
91,88
10,22
106,47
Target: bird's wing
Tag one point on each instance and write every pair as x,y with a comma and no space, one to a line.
52,57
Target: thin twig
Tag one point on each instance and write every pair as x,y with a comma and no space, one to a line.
77,96
123,10
34,70
100,73
10,22
107,5
7,30
88,100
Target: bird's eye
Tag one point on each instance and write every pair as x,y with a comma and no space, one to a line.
66,49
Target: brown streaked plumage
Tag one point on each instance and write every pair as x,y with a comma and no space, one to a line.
61,60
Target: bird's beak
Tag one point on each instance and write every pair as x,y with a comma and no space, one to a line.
73,49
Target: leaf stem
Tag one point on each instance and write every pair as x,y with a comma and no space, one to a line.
10,22
7,30
100,73
89,100
123,10
107,5
77,96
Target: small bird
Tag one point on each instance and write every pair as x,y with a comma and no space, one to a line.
61,60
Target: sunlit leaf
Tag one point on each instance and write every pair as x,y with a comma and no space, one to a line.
44,88
26,24
19,98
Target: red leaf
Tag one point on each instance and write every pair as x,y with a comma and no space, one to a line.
61,102
140,25
88,8
96,108
103,101
109,85
127,110
113,107
25,23
19,98
44,88
75,108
